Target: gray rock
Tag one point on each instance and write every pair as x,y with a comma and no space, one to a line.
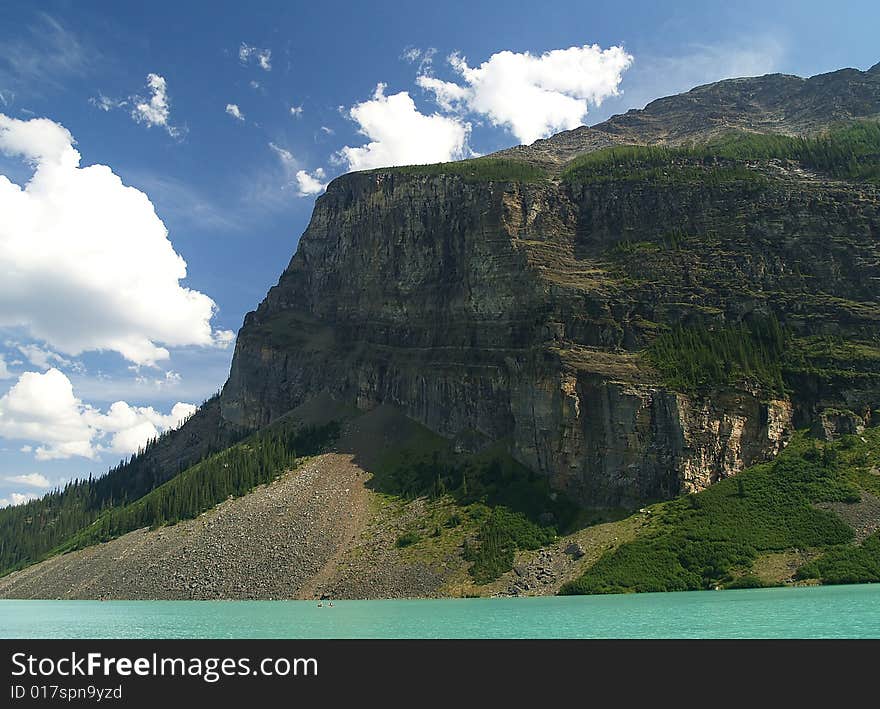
575,550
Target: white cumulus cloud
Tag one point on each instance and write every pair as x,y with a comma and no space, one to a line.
310,183
152,110
87,264
155,110
4,369
263,57
17,498
533,96
130,427
234,111
32,479
44,409
401,135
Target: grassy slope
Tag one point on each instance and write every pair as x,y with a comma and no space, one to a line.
484,504
717,536
435,532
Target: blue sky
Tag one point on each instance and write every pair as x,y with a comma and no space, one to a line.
228,118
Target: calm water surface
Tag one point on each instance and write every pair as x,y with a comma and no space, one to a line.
814,612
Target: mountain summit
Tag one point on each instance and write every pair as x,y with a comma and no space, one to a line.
775,103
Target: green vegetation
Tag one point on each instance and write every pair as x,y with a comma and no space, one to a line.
699,541
747,581
490,477
833,359
847,152
672,240
624,162
699,359
512,507
657,164
502,533
635,248
486,169
760,355
845,564
30,531
407,539
255,461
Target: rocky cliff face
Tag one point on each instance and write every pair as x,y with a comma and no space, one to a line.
515,311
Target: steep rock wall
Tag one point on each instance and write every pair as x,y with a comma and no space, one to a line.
499,309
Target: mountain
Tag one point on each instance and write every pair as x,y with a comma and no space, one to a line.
613,316
518,307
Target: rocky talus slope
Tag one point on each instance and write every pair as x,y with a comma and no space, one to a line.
300,520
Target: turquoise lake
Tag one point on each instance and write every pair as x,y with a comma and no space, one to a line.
810,612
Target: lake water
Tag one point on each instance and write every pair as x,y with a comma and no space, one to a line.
810,612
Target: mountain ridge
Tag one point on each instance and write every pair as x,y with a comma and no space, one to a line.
710,109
